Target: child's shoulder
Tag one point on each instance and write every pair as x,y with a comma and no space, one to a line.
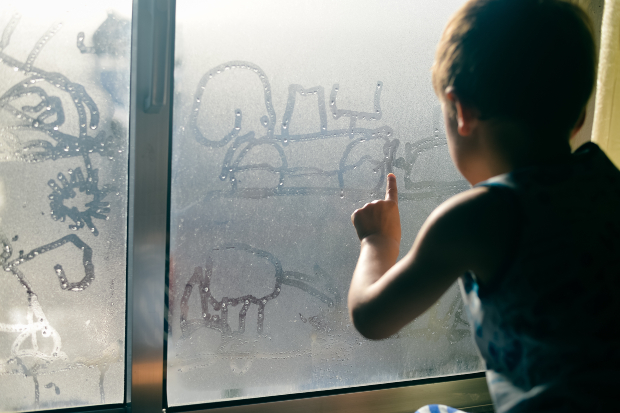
480,225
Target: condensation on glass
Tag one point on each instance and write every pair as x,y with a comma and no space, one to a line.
64,95
288,116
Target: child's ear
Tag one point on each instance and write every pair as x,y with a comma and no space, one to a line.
580,122
466,115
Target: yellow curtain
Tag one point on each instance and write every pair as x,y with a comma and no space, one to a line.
606,128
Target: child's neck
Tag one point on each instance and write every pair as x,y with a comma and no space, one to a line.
506,149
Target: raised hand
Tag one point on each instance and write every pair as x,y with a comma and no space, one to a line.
380,217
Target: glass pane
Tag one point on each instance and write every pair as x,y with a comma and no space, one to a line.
64,94
288,116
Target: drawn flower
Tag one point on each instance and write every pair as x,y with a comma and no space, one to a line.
81,216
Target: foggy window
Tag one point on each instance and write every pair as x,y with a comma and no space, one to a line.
64,95
286,119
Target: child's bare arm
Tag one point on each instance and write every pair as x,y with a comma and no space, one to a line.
471,231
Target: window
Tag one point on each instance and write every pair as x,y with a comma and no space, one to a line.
176,181
285,121
64,113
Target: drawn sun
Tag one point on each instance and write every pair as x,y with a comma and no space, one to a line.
82,214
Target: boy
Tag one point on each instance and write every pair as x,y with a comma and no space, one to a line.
536,241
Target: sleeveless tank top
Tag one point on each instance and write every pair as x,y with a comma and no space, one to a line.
548,324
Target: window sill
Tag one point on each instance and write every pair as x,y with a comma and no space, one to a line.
468,393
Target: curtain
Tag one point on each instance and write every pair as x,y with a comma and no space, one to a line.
606,128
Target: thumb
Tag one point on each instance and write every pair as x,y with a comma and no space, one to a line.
391,193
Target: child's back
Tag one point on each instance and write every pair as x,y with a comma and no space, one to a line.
536,242
547,326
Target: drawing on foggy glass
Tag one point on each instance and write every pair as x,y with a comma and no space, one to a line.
319,285
30,352
222,324
284,123
276,134
202,279
240,146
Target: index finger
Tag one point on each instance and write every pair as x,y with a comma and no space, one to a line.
391,193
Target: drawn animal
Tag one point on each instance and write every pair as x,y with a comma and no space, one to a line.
201,279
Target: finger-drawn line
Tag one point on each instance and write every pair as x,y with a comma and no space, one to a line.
219,322
66,145
354,115
32,372
290,106
39,46
109,38
242,145
322,276
52,384
412,152
8,31
424,190
111,354
47,116
36,322
87,256
293,279
268,121
94,209
80,44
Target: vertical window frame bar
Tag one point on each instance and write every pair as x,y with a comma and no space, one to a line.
148,216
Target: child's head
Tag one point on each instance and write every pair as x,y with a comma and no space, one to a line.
526,61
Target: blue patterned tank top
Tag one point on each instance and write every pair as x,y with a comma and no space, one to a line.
548,325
